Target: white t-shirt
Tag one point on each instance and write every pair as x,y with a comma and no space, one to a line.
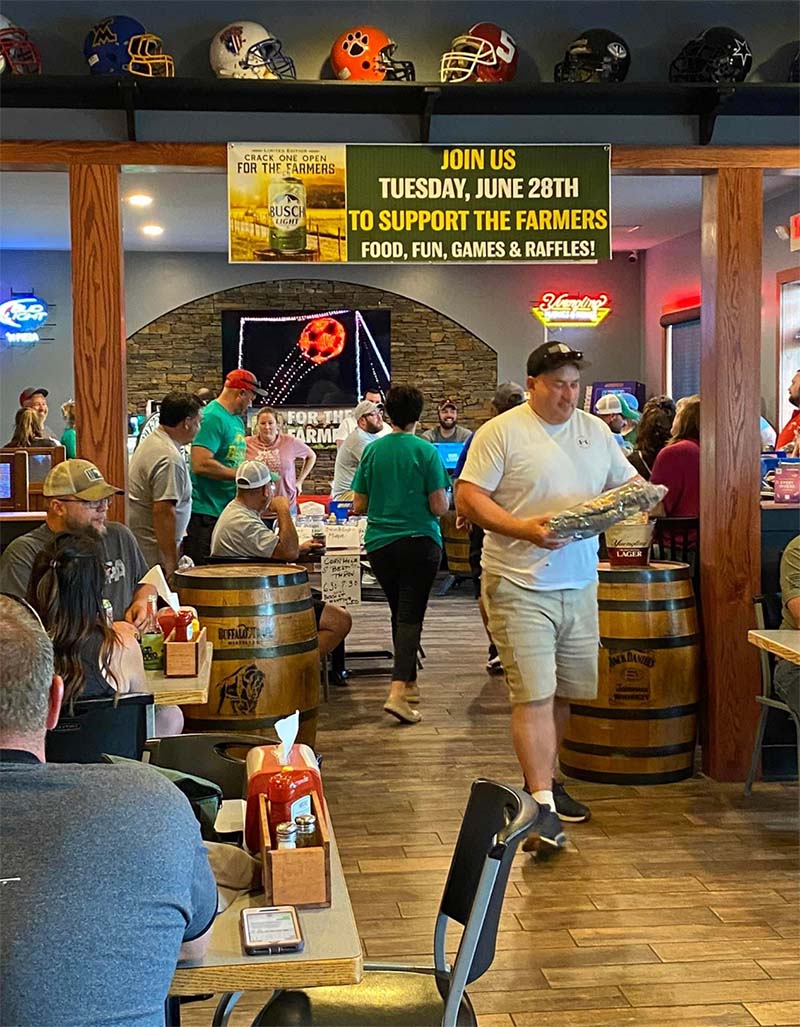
532,468
349,424
240,532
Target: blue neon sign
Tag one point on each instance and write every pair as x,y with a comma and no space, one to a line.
20,318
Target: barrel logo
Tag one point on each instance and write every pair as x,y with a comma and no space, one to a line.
631,656
242,689
244,633
631,682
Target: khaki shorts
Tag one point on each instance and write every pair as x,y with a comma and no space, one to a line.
548,641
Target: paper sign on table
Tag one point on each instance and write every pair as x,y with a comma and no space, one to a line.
342,536
341,579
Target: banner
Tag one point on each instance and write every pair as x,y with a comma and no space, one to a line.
395,204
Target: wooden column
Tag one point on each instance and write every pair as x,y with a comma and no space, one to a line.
98,319
730,533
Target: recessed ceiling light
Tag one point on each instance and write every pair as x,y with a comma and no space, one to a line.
152,230
140,200
633,228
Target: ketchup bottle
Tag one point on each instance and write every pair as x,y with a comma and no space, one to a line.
289,794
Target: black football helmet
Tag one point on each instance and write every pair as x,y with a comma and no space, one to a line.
794,68
716,55
597,55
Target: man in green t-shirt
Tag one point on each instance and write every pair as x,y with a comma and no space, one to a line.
786,677
217,451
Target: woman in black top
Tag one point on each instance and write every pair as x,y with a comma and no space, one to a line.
653,433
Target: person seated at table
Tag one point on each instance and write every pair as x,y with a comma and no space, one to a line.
280,452
448,429
95,658
786,677
240,534
28,431
678,464
369,427
106,879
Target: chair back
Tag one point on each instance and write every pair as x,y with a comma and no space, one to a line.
215,757
98,726
496,819
769,614
677,538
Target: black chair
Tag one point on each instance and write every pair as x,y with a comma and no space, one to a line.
117,726
496,819
678,539
769,614
210,756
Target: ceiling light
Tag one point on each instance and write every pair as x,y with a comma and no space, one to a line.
140,200
633,228
152,230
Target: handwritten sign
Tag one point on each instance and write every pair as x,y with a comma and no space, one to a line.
342,536
341,579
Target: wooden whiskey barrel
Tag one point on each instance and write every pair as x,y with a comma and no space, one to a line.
260,618
456,545
641,728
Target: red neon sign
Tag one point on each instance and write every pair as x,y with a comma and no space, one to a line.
571,310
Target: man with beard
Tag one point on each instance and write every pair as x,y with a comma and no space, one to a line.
369,426
447,430
790,430
78,500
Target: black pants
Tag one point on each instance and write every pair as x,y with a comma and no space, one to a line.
406,570
197,544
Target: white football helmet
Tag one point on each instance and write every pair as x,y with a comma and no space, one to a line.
245,49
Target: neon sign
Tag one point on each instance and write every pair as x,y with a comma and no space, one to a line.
20,318
569,310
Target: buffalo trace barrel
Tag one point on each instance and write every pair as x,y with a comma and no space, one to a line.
641,728
456,545
260,618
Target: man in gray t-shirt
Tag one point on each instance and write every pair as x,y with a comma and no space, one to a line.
106,882
159,485
447,430
369,426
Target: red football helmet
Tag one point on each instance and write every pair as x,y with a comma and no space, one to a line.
366,54
18,53
486,53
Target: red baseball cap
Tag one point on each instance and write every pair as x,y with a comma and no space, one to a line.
29,393
241,379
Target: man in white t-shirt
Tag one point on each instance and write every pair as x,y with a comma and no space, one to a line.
541,592
350,423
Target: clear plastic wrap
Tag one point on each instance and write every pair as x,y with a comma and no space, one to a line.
596,515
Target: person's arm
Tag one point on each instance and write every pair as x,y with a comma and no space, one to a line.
437,503
477,506
204,464
667,470
126,663
308,462
790,580
288,547
164,527
136,613
360,503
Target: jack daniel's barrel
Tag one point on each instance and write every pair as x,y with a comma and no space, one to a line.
641,728
260,618
456,545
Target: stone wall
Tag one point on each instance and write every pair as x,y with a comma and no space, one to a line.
183,349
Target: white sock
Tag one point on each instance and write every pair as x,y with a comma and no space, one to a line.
545,798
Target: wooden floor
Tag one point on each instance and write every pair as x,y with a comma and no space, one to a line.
676,906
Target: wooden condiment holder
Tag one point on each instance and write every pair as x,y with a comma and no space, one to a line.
184,659
296,877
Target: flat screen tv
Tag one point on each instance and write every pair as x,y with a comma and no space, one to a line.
310,358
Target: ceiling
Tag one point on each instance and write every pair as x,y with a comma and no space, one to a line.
191,207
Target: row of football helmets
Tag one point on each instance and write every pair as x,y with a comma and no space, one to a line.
364,53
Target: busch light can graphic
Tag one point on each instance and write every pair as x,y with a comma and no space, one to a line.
287,212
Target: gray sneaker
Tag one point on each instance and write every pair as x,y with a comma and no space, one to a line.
547,832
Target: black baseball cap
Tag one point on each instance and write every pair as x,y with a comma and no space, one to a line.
553,355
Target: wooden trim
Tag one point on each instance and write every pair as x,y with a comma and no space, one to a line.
98,318
730,516
49,155
679,317
789,274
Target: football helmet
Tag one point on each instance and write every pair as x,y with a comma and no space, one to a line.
245,49
18,54
716,55
486,53
366,54
597,55
121,46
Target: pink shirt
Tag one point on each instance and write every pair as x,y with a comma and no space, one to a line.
678,467
280,458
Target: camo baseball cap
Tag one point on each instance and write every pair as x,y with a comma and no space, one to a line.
79,478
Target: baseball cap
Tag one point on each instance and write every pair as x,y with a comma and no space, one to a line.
508,395
79,478
551,356
366,406
608,404
29,393
448,402
252,474
241,379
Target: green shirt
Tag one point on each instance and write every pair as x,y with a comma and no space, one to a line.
69,442
398,473
790,581
221,433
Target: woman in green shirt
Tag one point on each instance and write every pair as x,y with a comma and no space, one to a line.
401,485
68,439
